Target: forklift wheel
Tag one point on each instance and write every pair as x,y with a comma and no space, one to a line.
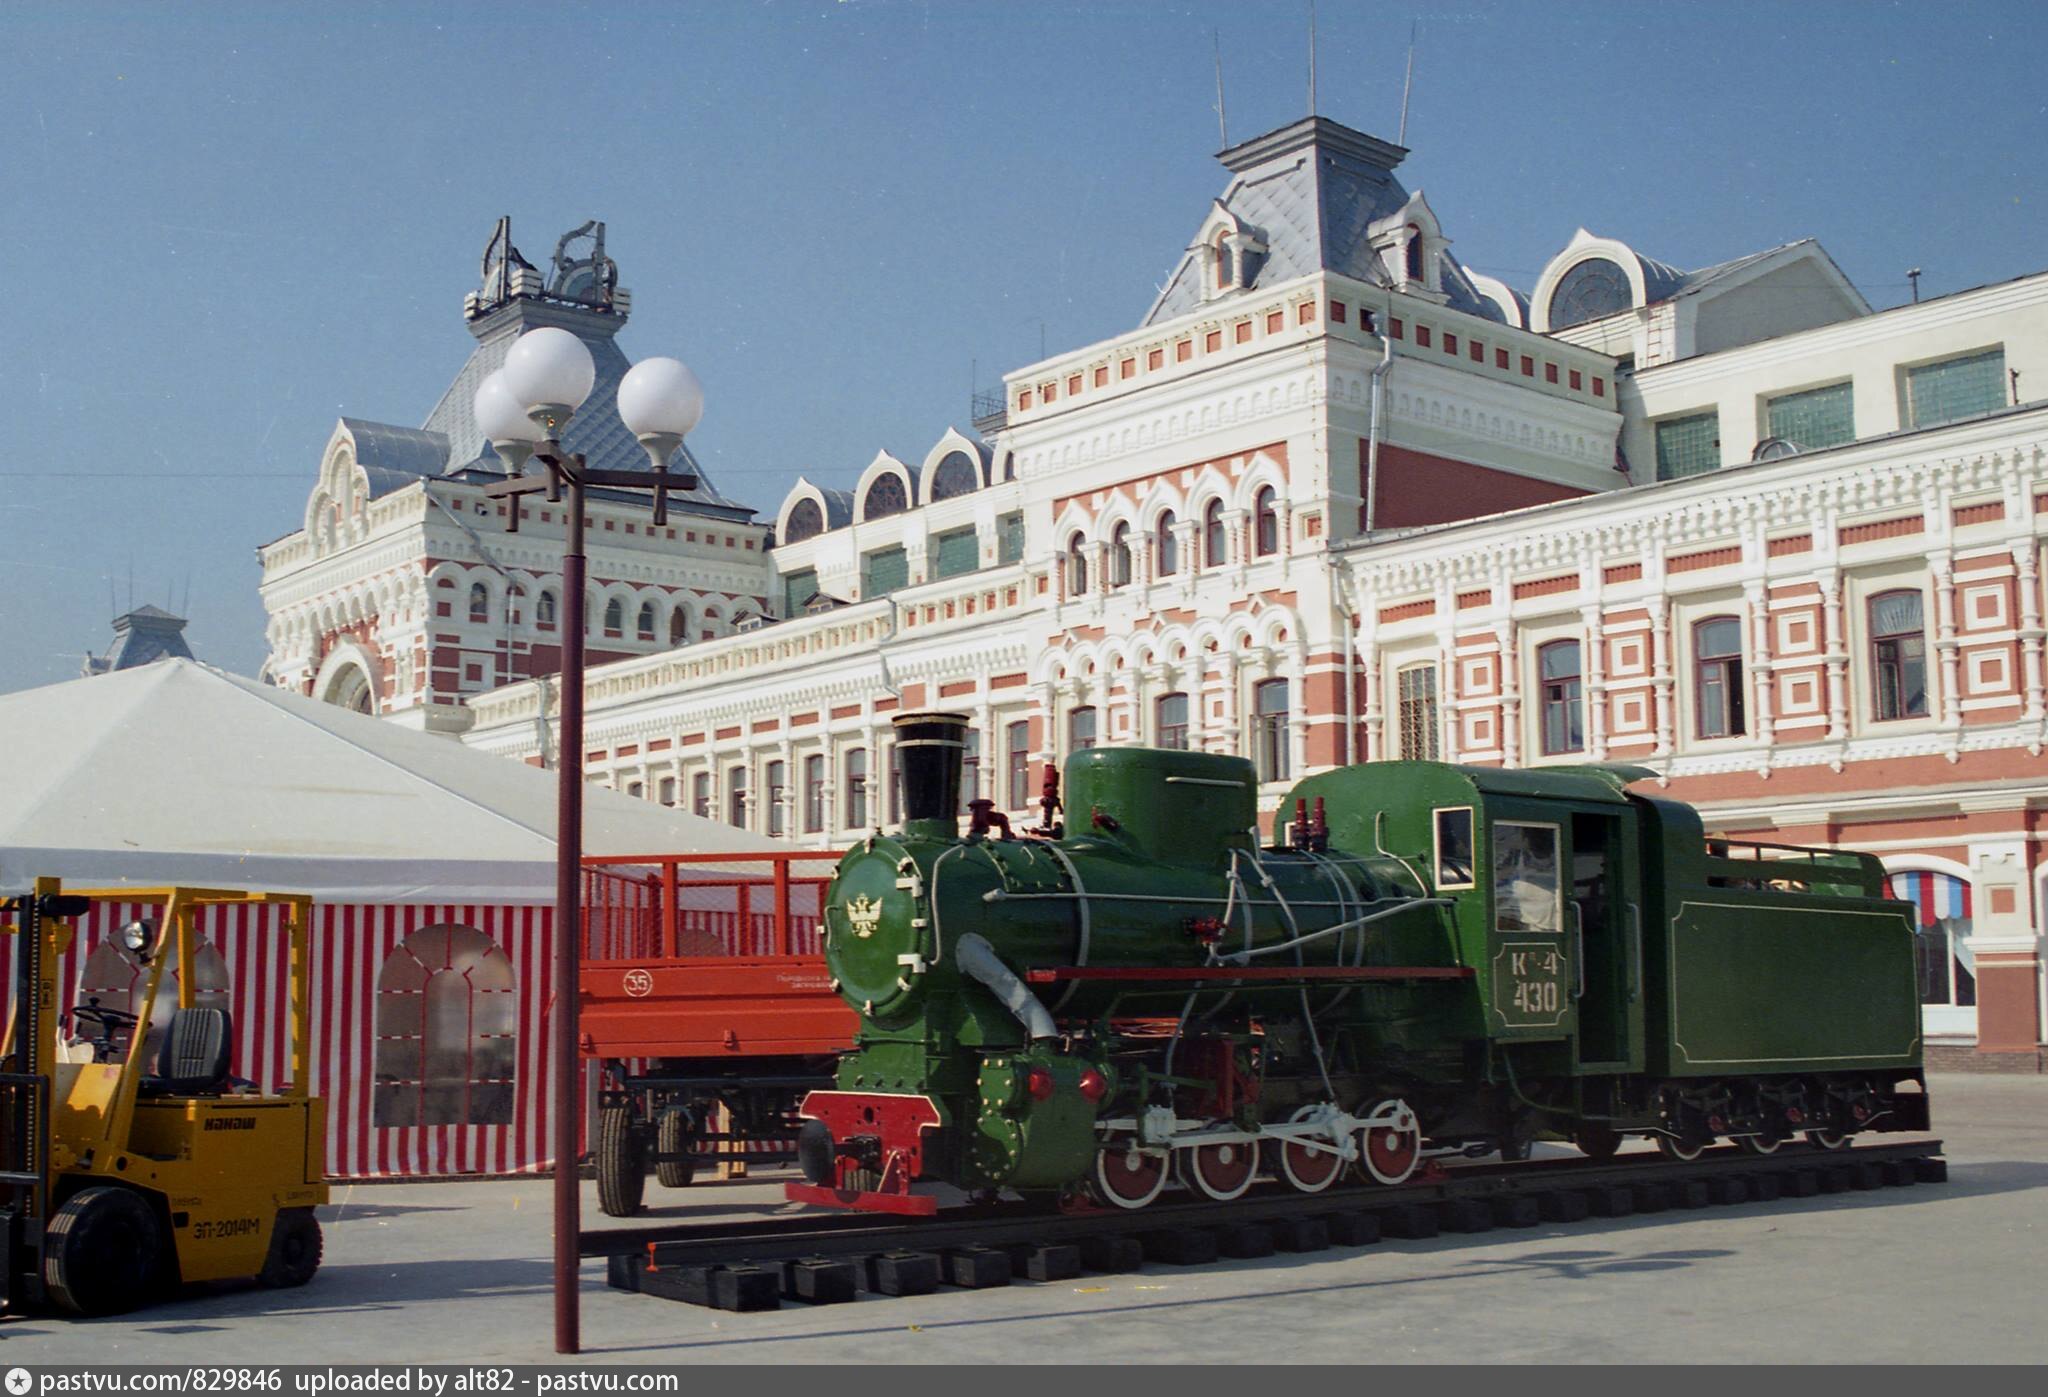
621,1172
674,1138
104,1253
294,1249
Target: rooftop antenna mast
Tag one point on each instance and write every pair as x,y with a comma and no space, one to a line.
1407,86
1222,126
1311,57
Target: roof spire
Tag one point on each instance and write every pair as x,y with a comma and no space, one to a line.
1407,86
1222,127
1311,58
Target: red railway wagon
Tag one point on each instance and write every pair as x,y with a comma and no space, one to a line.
706,1002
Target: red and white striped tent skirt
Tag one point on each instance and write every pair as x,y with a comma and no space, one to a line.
430,1023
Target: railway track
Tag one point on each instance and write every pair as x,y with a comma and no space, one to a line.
831,1258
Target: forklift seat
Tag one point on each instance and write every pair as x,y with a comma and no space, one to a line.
195,1054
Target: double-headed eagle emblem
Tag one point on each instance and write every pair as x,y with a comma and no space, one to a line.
864,914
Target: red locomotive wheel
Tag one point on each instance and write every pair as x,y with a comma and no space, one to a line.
1307,1168
1221,1171
1757,1144
1129,1177
1828,1139
1686,1150
1391,1142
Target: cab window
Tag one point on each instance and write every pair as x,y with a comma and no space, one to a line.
1454,847
1525,883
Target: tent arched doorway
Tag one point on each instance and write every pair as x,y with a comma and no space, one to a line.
1945,961
350,688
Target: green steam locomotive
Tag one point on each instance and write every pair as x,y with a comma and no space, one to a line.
1425,959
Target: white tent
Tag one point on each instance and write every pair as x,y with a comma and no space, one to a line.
177,772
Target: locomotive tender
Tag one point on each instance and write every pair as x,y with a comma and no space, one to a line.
1427,958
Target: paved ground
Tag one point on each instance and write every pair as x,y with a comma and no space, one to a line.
459,1272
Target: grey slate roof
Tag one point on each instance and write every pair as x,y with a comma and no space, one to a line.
595,430
142,636
393,457
1311,190
838,507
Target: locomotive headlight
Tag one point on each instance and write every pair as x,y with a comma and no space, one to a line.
138,936
1038,1083
1093,1087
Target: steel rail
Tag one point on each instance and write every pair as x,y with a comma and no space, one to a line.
848,1235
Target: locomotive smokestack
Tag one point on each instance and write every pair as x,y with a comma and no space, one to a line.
930,748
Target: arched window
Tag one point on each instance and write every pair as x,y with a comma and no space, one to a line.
117,979
886,497
1215,539
956,475
1592,289
1169,545
1170,721
806,520
544,611
446,1020
1077,566
1414,253
1717,677
1898,655
479,602
644,628
1266,522
1558,669
1080,730
679,627
1270,737
614,617
1941,943
1120,556
1226,267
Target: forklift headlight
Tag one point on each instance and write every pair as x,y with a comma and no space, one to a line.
137,937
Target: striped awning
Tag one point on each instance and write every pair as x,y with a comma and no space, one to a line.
1939,896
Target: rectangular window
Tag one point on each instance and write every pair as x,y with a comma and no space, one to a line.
1688,445
1955,389
955,553
814,794
1550,373
667,790
970,769
1563,697
1422,337
895,780
700,795
736,797
1500,359
1270,736
1171,721
1080,730
857,788
1010,537
1018,760
1525,886
1898,660
1528,367
778,779
883,571
1416,688
1813,419
798,588
1454,848
1450,344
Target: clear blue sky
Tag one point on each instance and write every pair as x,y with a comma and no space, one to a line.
228,225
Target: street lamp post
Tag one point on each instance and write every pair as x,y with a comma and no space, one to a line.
522,409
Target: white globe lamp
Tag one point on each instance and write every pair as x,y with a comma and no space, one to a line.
550,373
661,402
502,419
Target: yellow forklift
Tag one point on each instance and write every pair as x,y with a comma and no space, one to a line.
132,1159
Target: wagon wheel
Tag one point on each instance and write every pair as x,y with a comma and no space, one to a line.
674,1137
1304,1166
1390,1146
104,1252
621,1174
1684,1150
1221,1171
1127,1176
1597,1141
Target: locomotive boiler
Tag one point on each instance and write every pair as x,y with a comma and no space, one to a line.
1423,958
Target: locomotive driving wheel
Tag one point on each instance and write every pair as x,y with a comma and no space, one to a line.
1828,1139
1759,1143
1310,1166
1221,1171
1129,1177
1684,1150
1390,1146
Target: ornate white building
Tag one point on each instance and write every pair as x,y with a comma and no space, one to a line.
1338,498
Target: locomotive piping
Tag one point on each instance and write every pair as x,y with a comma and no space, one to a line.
978,959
